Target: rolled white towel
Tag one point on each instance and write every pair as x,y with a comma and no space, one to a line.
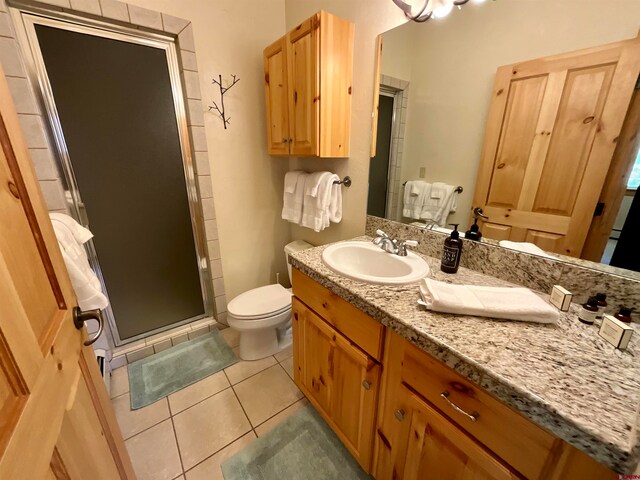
480,301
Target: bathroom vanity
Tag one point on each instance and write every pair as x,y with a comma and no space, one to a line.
402,386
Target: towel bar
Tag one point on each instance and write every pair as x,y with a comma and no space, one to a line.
346,181
458,189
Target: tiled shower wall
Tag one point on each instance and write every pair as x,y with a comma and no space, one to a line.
36,131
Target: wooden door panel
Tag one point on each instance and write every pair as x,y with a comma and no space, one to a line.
549,142
578,117
276,94
496,231
303,79
524,103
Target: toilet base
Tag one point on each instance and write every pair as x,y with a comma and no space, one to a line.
261,344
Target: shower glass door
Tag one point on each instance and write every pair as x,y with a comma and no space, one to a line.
117,116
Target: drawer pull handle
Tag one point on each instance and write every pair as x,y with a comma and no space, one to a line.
471,416
366,385
399,414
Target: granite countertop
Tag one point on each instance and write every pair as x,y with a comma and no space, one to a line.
563,377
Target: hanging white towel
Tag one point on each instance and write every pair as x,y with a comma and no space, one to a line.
71,238
438,209
480,301
414,203
315,204
525,247
294,183
335,202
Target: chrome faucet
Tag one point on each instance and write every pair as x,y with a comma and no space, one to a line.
390,245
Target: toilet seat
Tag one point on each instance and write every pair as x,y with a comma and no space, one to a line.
259,303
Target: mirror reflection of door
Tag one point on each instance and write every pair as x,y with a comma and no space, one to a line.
379,166
550,137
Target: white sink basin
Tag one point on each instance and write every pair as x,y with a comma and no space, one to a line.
369,263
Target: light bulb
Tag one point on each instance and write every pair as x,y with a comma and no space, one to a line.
443,9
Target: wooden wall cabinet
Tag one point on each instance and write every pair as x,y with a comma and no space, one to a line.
308,83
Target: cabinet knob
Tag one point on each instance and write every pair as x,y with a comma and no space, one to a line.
366,385
399,414
285,140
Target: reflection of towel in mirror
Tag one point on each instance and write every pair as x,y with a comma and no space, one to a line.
525,247
480,301
416,193
293,194
71,238
438,209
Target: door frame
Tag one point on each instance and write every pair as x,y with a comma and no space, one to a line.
25,17
397,97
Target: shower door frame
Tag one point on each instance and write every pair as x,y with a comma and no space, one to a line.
25,18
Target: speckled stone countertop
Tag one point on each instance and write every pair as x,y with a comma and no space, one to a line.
564,378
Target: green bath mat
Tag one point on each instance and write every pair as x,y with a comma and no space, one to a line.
302,447
156,376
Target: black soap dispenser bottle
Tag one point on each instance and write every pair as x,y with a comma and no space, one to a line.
451,252
474,231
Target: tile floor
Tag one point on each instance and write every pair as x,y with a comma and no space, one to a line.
189,434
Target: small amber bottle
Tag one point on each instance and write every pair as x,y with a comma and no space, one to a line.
624,314
589,311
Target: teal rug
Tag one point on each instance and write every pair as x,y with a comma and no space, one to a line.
302,447
159,375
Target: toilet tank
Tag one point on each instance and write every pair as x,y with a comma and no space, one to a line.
295,246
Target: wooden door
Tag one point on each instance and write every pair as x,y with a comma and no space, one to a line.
432,447
340,380
276,95
550,136
56,420
303,62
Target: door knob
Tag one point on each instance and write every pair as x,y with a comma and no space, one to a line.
80,317
478,211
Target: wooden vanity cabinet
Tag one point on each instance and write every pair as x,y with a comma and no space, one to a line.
308,75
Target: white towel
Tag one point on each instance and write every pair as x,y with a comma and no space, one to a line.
71,238
438,209
335,202
495,302
292,200
317,197
525,247
413,203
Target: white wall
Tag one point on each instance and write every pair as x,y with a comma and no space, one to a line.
229,38
371,17
454,68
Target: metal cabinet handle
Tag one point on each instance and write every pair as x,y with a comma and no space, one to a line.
80,317
471,416
399,414
366,384
478,211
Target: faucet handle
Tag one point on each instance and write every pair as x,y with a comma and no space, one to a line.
380,237
402,246
380,233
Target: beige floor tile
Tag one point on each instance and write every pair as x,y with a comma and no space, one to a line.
280,417
210,469
245,368
288,366
192,394
266,394
154,453
119,381
135,421
284,354
208,426
231,336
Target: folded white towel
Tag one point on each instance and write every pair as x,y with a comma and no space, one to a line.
525,247
335,202
438,209
413,203
71,238
315,205
292,201
495,302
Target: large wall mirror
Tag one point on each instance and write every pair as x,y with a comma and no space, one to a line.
528,110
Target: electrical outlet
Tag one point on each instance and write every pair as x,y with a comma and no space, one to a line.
423,172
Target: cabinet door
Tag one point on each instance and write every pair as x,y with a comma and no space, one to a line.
303,54
339,379
276,95
431,447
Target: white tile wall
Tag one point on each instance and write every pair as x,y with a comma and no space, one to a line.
87,6
115,10
145,18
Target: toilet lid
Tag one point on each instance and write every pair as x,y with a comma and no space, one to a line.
260,302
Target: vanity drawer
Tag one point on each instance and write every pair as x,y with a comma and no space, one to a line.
522,444
354,324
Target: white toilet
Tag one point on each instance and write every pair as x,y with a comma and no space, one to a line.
263,315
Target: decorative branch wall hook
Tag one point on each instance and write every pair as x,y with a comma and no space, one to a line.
223,90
